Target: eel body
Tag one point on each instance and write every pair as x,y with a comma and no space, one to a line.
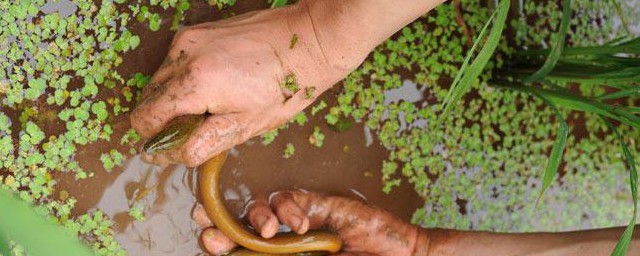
172,137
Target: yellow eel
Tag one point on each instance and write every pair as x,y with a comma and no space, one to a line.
174,135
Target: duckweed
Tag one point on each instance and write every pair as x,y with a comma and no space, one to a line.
317,137
55,65
482,168
288,151
485,165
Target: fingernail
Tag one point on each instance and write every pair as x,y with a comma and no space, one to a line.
209,234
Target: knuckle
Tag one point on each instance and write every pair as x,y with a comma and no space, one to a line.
280,198
186,34
198,65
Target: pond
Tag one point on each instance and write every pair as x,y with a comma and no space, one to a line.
482,172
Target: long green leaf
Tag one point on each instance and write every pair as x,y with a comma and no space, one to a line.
557,48
623,244
278,3
620,94
555,157
566,99
466,76
631,46
39,237
4,245
623,17
634,110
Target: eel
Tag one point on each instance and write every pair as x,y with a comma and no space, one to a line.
174,135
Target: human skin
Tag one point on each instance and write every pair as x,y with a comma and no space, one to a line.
233,70
368,230
364,229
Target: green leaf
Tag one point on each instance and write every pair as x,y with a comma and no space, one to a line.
19,221
34,132
289,151
278,3
154,22
633,91
342,125
555,157
4,245
100,110
300,118
317,137
134,41
623,244
137,211
566,99
466,76
557,48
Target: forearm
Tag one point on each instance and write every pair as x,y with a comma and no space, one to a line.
459,243
355,27
343,32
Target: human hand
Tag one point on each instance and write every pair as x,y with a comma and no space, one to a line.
235,70
363,229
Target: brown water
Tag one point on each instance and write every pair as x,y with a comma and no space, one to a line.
345,165
348,164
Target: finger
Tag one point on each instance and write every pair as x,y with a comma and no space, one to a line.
216,134
174,98
215,242
262,218
199,215
289,212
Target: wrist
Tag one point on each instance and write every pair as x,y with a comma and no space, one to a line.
338,28
305,53
423,243
349,30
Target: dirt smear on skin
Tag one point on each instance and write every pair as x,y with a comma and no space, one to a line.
348,164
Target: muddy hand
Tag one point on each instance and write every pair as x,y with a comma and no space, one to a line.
236,70
364,229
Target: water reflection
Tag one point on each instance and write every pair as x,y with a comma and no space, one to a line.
407,92
168,197
64,7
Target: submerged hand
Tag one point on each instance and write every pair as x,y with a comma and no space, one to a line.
236,70
363,229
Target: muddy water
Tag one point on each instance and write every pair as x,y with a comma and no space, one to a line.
345,165
348,164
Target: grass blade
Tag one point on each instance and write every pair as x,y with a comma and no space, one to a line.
623,244
620,94
634,110
566,99
631,46
557,48
20,221
623,17
555,157
278,3
466,76
4,245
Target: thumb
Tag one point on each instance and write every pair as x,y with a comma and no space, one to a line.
215,134
216,242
